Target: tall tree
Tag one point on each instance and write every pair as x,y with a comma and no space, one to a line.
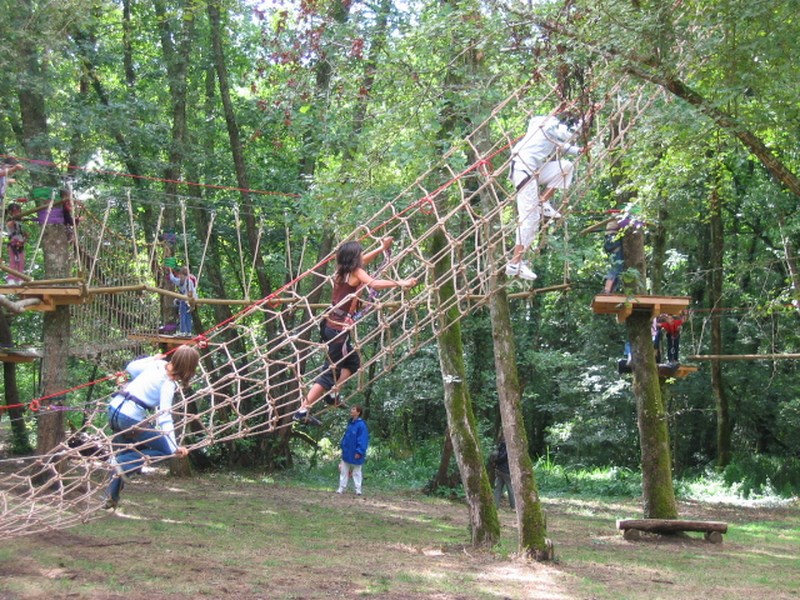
215,18
483,523
715,293
177,62
658,492
531,524
36,141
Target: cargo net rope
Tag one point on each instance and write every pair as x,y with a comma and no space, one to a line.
258,366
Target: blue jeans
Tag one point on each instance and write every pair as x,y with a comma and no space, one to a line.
185,317
132,446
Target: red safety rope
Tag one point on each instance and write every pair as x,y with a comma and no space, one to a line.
48,163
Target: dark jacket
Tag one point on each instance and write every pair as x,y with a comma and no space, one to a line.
501,462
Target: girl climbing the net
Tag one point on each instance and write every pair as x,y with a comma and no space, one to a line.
342,360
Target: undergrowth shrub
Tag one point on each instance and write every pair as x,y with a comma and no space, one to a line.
759,474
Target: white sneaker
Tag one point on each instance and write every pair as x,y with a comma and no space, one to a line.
548,212
520,270
340,491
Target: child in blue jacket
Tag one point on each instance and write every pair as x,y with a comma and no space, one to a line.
354,450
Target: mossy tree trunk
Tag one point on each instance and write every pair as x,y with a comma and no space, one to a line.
658,493
483,521
531,523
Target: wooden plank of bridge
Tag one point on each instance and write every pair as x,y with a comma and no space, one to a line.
170,341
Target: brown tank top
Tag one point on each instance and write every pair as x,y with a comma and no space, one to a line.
342,310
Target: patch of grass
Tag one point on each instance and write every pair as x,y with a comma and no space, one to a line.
242,535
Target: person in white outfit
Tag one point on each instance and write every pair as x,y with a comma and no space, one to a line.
537,161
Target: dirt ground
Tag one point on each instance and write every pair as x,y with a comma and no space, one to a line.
223,537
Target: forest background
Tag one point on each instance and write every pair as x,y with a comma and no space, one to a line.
337,106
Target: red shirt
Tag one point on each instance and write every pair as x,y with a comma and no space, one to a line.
672,327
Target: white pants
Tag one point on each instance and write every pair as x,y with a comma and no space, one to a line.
554,174
345,469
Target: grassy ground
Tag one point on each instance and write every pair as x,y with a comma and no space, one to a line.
225,536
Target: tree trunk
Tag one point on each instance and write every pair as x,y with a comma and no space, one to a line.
56,342
658,242
55,329
19,434
483,522
248,211
531,525
658,493
442,479
177,61
791,264
715,300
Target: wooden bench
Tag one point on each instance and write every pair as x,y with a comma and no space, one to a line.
633,528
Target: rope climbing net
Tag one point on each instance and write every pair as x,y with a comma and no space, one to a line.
121,264
451,228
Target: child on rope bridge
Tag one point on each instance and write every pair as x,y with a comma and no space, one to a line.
152,388
16,243
187,285
8,168
342,361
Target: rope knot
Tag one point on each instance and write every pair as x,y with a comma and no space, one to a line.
426,205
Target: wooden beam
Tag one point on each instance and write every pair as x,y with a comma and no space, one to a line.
55,291
17,274
625,311
743,356
171,341
601,226
685,370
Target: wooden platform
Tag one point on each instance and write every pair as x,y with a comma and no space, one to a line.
633,528
679,371
18,355
623,306
664,370
50,296
170,341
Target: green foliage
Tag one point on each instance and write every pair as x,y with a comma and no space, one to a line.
763,475
555,480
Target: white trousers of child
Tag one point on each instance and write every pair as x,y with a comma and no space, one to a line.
554,174
345,469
